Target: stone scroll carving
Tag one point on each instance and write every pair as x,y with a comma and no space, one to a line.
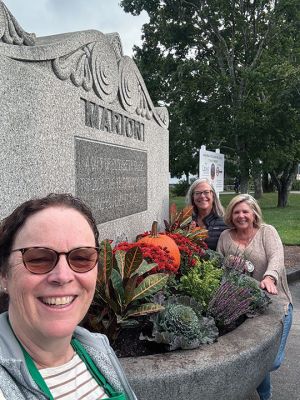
10,30
115,41
110,75
89,59
92,67
76,67
135,97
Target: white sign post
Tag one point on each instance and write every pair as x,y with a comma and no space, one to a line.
211,167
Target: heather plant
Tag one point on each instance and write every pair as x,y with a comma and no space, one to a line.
235,262
237,295
181,325
229,303
201,282
122,289
260,298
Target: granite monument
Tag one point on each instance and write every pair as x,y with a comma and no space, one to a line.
76,117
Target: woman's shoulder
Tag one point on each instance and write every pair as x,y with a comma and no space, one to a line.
91,338
226,234
215,219
266,228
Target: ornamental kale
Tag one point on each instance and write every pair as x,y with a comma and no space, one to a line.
181,325
201,282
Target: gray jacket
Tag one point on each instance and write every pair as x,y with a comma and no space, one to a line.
16,382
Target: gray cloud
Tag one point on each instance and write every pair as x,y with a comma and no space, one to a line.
47,17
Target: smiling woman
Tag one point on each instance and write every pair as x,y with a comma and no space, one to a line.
250,240
48,269
207,210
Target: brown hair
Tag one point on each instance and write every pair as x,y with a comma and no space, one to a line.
13,223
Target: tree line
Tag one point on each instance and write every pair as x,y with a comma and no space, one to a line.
228,71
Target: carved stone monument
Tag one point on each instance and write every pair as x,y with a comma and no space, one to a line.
76,117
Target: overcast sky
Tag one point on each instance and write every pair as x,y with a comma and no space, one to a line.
48,17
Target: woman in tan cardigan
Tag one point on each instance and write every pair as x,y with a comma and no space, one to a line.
259,244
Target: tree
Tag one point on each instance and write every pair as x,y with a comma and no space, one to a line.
213,60
182,86
280,101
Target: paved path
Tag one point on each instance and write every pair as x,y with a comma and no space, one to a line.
286,380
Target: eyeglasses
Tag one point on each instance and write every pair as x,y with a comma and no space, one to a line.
205,193
41,260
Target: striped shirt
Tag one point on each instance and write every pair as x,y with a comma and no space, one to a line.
72,381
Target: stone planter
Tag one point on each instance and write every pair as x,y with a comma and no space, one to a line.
230,369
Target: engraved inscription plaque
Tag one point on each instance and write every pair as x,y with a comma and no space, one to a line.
111,179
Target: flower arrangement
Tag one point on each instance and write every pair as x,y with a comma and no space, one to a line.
184,295
188,247
152,254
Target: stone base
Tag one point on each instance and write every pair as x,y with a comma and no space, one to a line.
230,369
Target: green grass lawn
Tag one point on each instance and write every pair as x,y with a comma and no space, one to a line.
286,220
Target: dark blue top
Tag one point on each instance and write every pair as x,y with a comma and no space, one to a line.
215,226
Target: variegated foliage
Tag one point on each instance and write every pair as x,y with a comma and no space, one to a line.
123,290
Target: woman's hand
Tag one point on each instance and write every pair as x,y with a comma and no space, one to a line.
268,284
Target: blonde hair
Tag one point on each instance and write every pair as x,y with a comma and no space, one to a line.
251,202
216,206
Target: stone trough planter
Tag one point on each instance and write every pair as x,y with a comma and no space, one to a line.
230,369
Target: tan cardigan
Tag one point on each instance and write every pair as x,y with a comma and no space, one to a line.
265,251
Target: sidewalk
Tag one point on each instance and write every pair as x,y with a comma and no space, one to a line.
286,380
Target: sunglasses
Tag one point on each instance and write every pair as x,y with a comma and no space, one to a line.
41,260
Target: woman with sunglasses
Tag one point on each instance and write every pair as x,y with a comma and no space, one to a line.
48,270
207,210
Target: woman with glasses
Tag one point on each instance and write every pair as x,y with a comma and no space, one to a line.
48,270
250,240
207,210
